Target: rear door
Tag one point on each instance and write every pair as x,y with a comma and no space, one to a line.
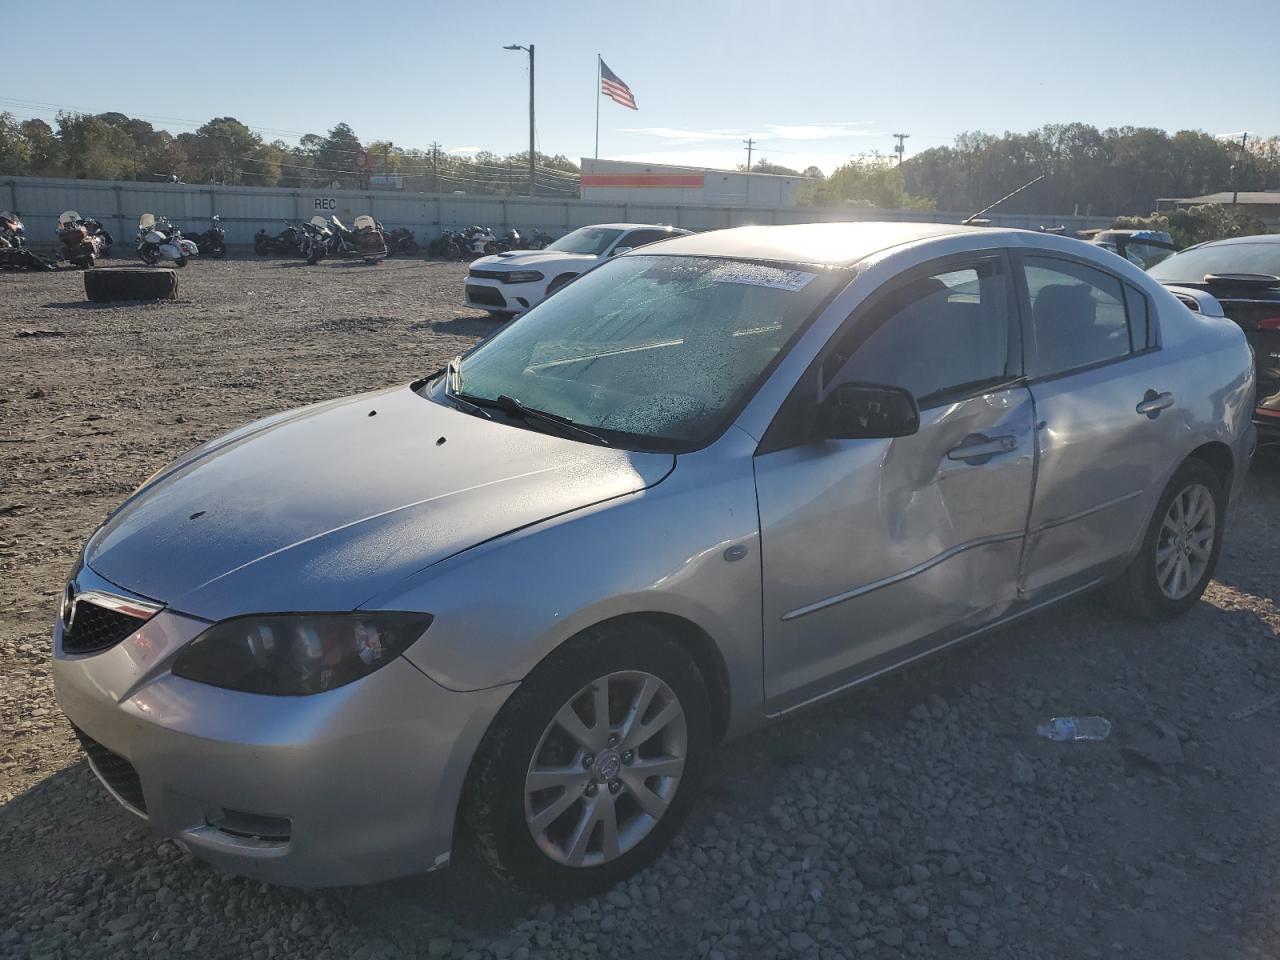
876,550
1106,417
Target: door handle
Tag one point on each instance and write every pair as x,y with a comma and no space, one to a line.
1152,403
977,449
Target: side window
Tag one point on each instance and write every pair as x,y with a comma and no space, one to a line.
941,336
1078,314
1139,318
638,238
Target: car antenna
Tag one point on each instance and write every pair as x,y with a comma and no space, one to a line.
1029,183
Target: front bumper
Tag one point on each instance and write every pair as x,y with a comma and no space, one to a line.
486,293
354,785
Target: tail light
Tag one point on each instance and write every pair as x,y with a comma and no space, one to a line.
1271,323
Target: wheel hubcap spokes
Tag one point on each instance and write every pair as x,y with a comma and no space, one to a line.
1185,544
606,769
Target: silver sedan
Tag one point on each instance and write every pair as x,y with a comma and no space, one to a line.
511,609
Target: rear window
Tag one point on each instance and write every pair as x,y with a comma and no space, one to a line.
1190,266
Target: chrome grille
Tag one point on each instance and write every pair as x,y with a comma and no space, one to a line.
93,627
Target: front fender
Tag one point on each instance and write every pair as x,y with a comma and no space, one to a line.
503,606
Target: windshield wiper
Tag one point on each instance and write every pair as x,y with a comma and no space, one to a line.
452,377
561,425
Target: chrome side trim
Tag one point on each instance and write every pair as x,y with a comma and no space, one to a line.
899,577
1004,621
1050,524
125,605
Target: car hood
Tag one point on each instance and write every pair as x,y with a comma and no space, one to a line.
324,507
534,259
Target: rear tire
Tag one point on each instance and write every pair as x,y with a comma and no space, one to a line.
502,822
260,246
108,284
1178,557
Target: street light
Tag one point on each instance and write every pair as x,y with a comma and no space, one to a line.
516,46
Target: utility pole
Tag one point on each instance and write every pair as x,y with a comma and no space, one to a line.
750,142
529,48
435,167
1235,169
901,147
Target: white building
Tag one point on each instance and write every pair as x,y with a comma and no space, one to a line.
622,181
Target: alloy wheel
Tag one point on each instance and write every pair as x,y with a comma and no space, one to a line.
1185,544
606,769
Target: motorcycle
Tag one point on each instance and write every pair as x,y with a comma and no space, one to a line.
538,241
448,246
401,240
161,240
475,242
511,240
83,240
14,254
364,239
213,241
315,239
286,242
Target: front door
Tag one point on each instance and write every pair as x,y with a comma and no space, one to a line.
873,550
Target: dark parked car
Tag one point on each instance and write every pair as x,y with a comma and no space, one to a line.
1243,275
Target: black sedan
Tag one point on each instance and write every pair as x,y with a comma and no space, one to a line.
1242,274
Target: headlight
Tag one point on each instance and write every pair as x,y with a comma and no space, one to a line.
522,276
292,655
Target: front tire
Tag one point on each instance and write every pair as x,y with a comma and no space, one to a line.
592,765
1180,550
217,250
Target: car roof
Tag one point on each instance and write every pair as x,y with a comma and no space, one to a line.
633,226
1256,238
832,244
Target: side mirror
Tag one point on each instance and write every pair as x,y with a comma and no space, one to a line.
618,251
863,411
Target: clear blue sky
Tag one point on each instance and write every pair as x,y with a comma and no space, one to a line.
813,82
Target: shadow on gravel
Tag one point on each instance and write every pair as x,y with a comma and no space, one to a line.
65,818
90,305
479,327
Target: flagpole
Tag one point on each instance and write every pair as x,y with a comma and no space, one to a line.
598,62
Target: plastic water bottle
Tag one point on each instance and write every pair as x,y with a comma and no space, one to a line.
1075,728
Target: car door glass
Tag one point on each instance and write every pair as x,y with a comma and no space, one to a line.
941,336
638,238
1077,313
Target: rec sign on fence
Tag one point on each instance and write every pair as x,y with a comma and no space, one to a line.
326,203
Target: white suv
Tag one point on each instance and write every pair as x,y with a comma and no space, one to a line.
506,284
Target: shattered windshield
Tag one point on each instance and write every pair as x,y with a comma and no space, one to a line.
656,348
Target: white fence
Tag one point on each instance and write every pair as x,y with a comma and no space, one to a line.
245,210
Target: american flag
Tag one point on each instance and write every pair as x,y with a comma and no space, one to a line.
611,86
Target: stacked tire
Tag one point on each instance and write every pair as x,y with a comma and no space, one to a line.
111,284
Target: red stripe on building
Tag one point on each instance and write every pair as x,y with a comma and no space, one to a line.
642,180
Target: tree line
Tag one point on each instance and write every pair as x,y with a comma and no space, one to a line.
1113,172
1087,171
113,146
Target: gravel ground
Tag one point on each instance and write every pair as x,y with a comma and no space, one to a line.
919,815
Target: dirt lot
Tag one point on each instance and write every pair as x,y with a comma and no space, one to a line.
920,815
